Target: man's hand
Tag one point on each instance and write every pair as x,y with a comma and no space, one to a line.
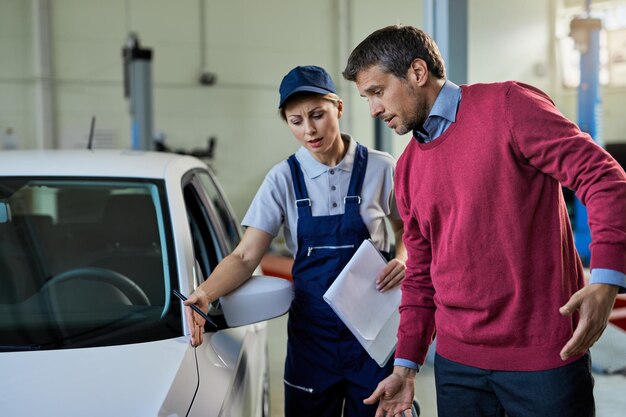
391,276
395,393
594,303
195,322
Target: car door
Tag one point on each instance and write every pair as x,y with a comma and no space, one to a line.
235,384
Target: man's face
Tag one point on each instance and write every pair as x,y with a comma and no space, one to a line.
396,101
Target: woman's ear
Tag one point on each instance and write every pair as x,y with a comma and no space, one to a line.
339,109
418,72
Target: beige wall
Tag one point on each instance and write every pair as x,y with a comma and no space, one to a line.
250,45
16,99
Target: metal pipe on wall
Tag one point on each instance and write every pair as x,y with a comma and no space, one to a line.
344,31
205,77
46,136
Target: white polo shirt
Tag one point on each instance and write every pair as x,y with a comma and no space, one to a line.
275,203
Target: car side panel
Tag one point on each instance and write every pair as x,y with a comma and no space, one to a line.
234,387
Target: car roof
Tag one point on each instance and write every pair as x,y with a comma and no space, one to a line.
95,163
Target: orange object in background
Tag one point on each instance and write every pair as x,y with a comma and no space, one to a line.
277,266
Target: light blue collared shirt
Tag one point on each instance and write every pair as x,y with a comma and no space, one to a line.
441,116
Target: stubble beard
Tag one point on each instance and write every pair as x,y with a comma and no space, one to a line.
415,119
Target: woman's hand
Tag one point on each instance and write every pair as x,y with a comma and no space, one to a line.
195,322
230,273
391,276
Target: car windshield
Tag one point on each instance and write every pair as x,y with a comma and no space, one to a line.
84,262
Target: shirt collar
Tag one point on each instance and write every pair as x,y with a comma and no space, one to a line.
445,106
447,101
313,168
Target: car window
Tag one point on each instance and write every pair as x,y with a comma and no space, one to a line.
206,243
85,262
223,209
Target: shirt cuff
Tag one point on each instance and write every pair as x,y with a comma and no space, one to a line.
406,363
608,276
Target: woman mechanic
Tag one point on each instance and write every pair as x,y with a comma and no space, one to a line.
329,196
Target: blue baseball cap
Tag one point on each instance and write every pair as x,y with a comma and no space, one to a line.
309,78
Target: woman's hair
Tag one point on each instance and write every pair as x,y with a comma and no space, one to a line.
332,97
394,48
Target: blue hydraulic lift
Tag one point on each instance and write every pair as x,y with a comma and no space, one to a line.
138,90
585,31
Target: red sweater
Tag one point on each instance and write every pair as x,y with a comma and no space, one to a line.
491,252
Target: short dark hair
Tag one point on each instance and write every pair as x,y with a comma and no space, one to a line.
394,48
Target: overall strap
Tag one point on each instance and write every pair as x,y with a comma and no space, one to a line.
353,199
303,202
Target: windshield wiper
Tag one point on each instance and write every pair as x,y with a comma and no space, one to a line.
17,348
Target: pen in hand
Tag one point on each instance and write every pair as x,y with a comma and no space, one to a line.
195,308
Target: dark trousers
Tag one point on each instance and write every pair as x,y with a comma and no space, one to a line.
342,396
467,391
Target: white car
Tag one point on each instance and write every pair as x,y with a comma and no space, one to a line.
92,244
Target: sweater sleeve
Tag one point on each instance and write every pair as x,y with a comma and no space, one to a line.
557,147
417,307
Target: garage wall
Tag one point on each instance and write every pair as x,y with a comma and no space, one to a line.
516,40
368,16
249,45
16,82
510,41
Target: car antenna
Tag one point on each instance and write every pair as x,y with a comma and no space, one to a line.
93,124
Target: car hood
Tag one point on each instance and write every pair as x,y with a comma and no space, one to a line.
130,380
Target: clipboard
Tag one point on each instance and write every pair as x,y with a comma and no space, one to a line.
370,315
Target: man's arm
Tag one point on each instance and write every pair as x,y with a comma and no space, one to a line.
561,150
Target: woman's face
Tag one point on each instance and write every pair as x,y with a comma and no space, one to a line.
314,121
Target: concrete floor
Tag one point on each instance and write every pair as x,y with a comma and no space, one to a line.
610,390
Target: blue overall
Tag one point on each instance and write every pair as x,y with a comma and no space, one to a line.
326,370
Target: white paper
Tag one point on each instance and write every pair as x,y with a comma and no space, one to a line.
370,315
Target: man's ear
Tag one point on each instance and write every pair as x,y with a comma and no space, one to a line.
339,109
418,72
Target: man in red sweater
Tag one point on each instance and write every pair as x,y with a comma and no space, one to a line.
491,259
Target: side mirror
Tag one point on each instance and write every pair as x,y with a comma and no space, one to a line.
260,298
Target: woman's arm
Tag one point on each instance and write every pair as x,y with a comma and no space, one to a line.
229,274
393,274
